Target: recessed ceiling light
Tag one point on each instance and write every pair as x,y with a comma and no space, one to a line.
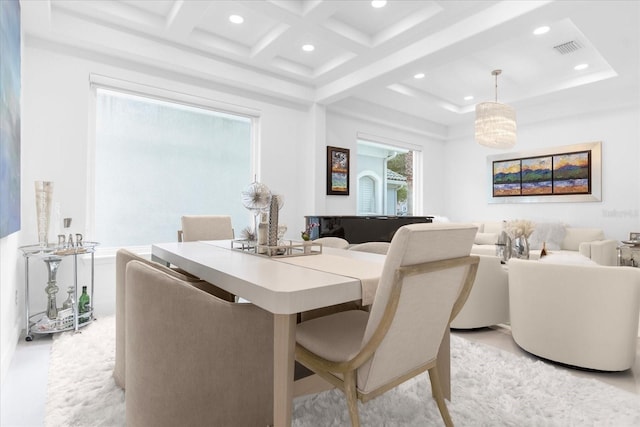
378,3
308,47
236,19
468,97
580,67
541,30
419,76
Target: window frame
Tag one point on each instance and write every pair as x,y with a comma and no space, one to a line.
166,95
418,173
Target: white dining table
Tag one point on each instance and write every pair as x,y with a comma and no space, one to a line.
284,289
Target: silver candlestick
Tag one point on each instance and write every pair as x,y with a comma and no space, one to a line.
52,289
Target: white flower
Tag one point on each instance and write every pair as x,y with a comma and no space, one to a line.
519,228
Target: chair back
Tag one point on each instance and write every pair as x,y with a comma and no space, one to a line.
333,242
205,227
372,247
194,359
123,257
427,269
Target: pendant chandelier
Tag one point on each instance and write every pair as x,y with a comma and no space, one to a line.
495,122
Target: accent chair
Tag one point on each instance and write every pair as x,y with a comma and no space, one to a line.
426,279
194,359
123,257
205,227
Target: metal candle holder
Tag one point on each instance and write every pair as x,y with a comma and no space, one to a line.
52,289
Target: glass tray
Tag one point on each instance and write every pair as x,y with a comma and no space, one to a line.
287,249
83,320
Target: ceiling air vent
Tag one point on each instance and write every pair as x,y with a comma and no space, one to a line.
567,47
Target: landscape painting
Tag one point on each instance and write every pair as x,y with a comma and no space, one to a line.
9,117
507,178
338,171
571,173
537,176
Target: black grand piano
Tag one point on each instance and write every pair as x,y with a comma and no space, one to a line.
360,229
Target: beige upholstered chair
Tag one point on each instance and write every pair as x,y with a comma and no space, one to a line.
332,242
488,302
192,358
205,227
579,315
123,256
373,247
427,276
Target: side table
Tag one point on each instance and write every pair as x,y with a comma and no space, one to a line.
55,254
629,254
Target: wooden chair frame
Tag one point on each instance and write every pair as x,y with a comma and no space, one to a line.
324,368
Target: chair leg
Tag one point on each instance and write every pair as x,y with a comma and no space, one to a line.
352,397
436,390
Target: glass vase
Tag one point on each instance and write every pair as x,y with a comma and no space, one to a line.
44,191
503,247
520,247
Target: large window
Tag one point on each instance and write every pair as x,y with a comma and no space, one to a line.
385,179
157,160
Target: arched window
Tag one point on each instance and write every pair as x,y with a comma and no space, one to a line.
387,178
366,195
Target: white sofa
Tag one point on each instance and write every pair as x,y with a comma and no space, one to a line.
580,315
559,239
488,301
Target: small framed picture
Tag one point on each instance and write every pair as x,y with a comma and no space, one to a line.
634,236
337,171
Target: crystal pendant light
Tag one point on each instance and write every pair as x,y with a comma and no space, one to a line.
495,122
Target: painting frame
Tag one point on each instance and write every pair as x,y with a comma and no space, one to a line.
10,116
571,173
338,160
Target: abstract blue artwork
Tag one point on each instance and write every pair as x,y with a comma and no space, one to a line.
9,117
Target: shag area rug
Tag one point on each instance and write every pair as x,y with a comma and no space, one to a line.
490,387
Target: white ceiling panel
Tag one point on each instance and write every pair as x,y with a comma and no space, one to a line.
254,28
367,57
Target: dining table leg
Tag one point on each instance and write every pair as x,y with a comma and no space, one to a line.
284,340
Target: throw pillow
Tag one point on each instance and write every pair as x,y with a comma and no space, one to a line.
550,233
486,238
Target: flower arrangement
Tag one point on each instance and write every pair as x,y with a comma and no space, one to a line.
519,228
247,233
306,234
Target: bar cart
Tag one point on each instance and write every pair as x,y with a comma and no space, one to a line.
55,319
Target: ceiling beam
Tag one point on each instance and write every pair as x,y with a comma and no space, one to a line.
184,17
459,31
148,51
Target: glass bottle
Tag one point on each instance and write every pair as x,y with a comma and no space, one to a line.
83,302
68,303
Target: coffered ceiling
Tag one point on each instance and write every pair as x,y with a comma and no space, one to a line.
366,58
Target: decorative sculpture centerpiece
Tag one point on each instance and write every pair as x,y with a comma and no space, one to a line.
257,198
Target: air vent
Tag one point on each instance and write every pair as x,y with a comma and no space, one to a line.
567,47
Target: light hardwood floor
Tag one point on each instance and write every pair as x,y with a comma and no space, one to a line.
24,390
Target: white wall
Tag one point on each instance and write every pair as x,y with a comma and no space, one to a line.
55,147
466,183
55,123
10,286
342,132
